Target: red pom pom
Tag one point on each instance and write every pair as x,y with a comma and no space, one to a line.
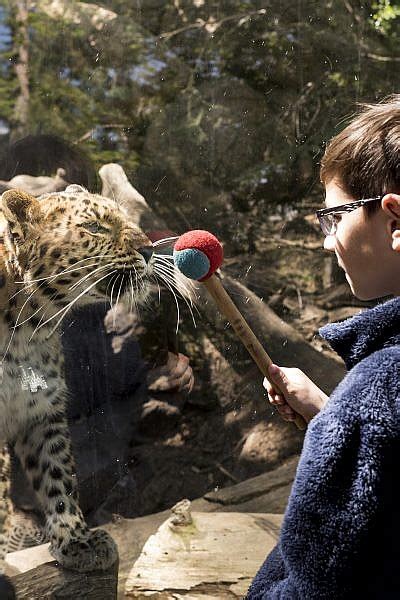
205,241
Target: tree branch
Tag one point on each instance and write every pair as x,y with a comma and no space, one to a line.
211,25
381,58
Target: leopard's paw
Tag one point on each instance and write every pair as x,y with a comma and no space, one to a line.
7,591
94,551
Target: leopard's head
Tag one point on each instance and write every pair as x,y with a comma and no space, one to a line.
76,247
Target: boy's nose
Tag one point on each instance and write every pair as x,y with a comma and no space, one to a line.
329,243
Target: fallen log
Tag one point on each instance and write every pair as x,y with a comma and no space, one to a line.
255,487
36,185
117,186
48,580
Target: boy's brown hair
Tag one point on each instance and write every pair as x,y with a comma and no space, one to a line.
365,156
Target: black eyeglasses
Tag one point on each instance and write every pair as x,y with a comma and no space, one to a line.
327,216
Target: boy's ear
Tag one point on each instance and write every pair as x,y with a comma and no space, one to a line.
20,209
391,206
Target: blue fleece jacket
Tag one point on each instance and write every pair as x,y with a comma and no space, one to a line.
340,536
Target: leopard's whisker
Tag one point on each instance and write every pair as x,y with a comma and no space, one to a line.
165,241
66,309
17,324
131,300
136,279
185,290
120,286
122,276
154,278
70,269
159,289
176,303
137,306
115,279
37,326
165,277
137,285
108,285
43,315
77,283
52,297
184,283
12,335
175,280
40,307
50,278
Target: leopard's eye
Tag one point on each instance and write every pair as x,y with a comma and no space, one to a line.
95,227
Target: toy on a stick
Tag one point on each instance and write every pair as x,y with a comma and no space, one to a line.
198,254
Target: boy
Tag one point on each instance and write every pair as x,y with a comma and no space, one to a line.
340,536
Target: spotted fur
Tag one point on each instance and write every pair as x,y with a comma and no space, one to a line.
60,251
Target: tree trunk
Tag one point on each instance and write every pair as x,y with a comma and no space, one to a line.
21,67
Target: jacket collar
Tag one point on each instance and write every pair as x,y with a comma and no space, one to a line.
365,333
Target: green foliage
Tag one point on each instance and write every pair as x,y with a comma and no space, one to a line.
386,15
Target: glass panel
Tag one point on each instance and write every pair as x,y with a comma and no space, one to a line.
166,116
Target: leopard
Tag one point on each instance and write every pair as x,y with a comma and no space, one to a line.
58,252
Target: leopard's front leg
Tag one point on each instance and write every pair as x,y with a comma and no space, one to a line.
45,452
5,502
6,588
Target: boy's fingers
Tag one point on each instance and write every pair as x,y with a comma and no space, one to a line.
277,399
279,377
268,386
286,412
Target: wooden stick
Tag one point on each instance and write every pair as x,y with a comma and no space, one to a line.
244,333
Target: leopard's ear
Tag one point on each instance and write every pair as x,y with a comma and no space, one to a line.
20,209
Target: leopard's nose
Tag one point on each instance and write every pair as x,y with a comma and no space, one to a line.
146,252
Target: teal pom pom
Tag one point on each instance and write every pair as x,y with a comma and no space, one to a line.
192,263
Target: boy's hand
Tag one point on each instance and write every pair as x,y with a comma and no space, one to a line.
294,392
176,375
